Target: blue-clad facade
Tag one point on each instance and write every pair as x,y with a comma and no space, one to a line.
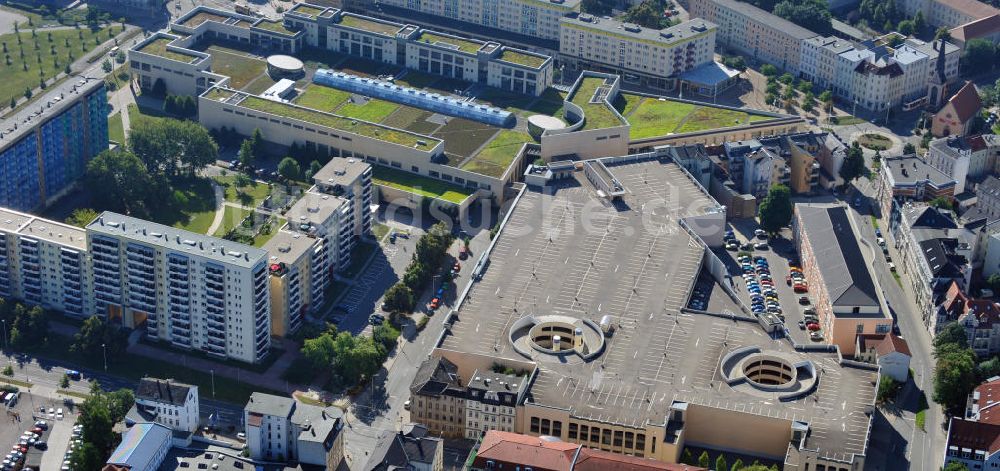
45,162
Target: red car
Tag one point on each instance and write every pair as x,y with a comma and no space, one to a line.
800,288
812,326
435,303
457,267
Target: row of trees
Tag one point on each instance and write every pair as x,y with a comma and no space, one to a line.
889,16
98,415
350,359
958,371
785,91
185,106
427,258
721,463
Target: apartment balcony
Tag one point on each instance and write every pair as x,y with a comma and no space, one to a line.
134,257
30,268
215,346
33,282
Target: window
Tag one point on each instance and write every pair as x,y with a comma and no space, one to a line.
640,441
534,425
556,428
572,431
606,437
595,434
546,426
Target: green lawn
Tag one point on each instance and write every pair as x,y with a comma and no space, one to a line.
598,115
419,185
251,196
847,120
514,102
260,84
628,103
116,130
418,80
322,98
494,159
653,117
707,117
463,137
754,118
36,57
411,119
241,69
874,141
192,208
263,237
373,111
231,218
379,230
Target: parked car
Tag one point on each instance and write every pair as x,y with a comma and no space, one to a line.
804,300
815,335
760,246
435,303
376,319
760,233
802,325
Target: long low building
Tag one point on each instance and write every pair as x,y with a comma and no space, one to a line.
608,356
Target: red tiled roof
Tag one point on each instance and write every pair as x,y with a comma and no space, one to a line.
892,343
954,302
598,460
975,435
989,402
966,102
977,28
526,450
986,312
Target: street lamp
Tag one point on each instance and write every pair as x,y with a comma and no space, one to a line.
213,382
104,350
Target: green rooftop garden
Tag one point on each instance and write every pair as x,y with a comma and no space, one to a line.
419,185
158,47
521,58
219,94
341,123
496,156
202,17
365,24
463,45
307,10
275,26
598,115
654,117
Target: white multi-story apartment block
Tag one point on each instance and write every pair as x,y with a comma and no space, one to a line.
529,18
964,158
283,429
653,56
875,74
44,263
194,291
169,403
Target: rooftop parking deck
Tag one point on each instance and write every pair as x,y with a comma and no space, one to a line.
571,253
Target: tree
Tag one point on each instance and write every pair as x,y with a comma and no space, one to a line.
994,283
289,168
953,333
906,27
887,388
738,465
399,298
954,378
854,163
648,14
941,202
64,381
97,339
86,458
775,210
688,458
954,466
942,34
768,70
118,180
159,88
257,139
319,351
314,168
805,86
703,459
106,66
30,327
168,145
385,335
978,56
81,217
595,7
919,23
810,14
786,78
909,148
720,463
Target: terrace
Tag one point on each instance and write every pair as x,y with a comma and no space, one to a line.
522,58
341,123
372,26
307,10
274,26
420,185
599,114
158,47
202,17
654,117
463,45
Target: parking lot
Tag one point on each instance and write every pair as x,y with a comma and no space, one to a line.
780,252
21,418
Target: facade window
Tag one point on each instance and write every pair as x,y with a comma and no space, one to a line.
534,425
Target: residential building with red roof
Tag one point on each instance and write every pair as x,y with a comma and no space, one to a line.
982,326
987,28
984,402
511,451
889,351
975,440
957,115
